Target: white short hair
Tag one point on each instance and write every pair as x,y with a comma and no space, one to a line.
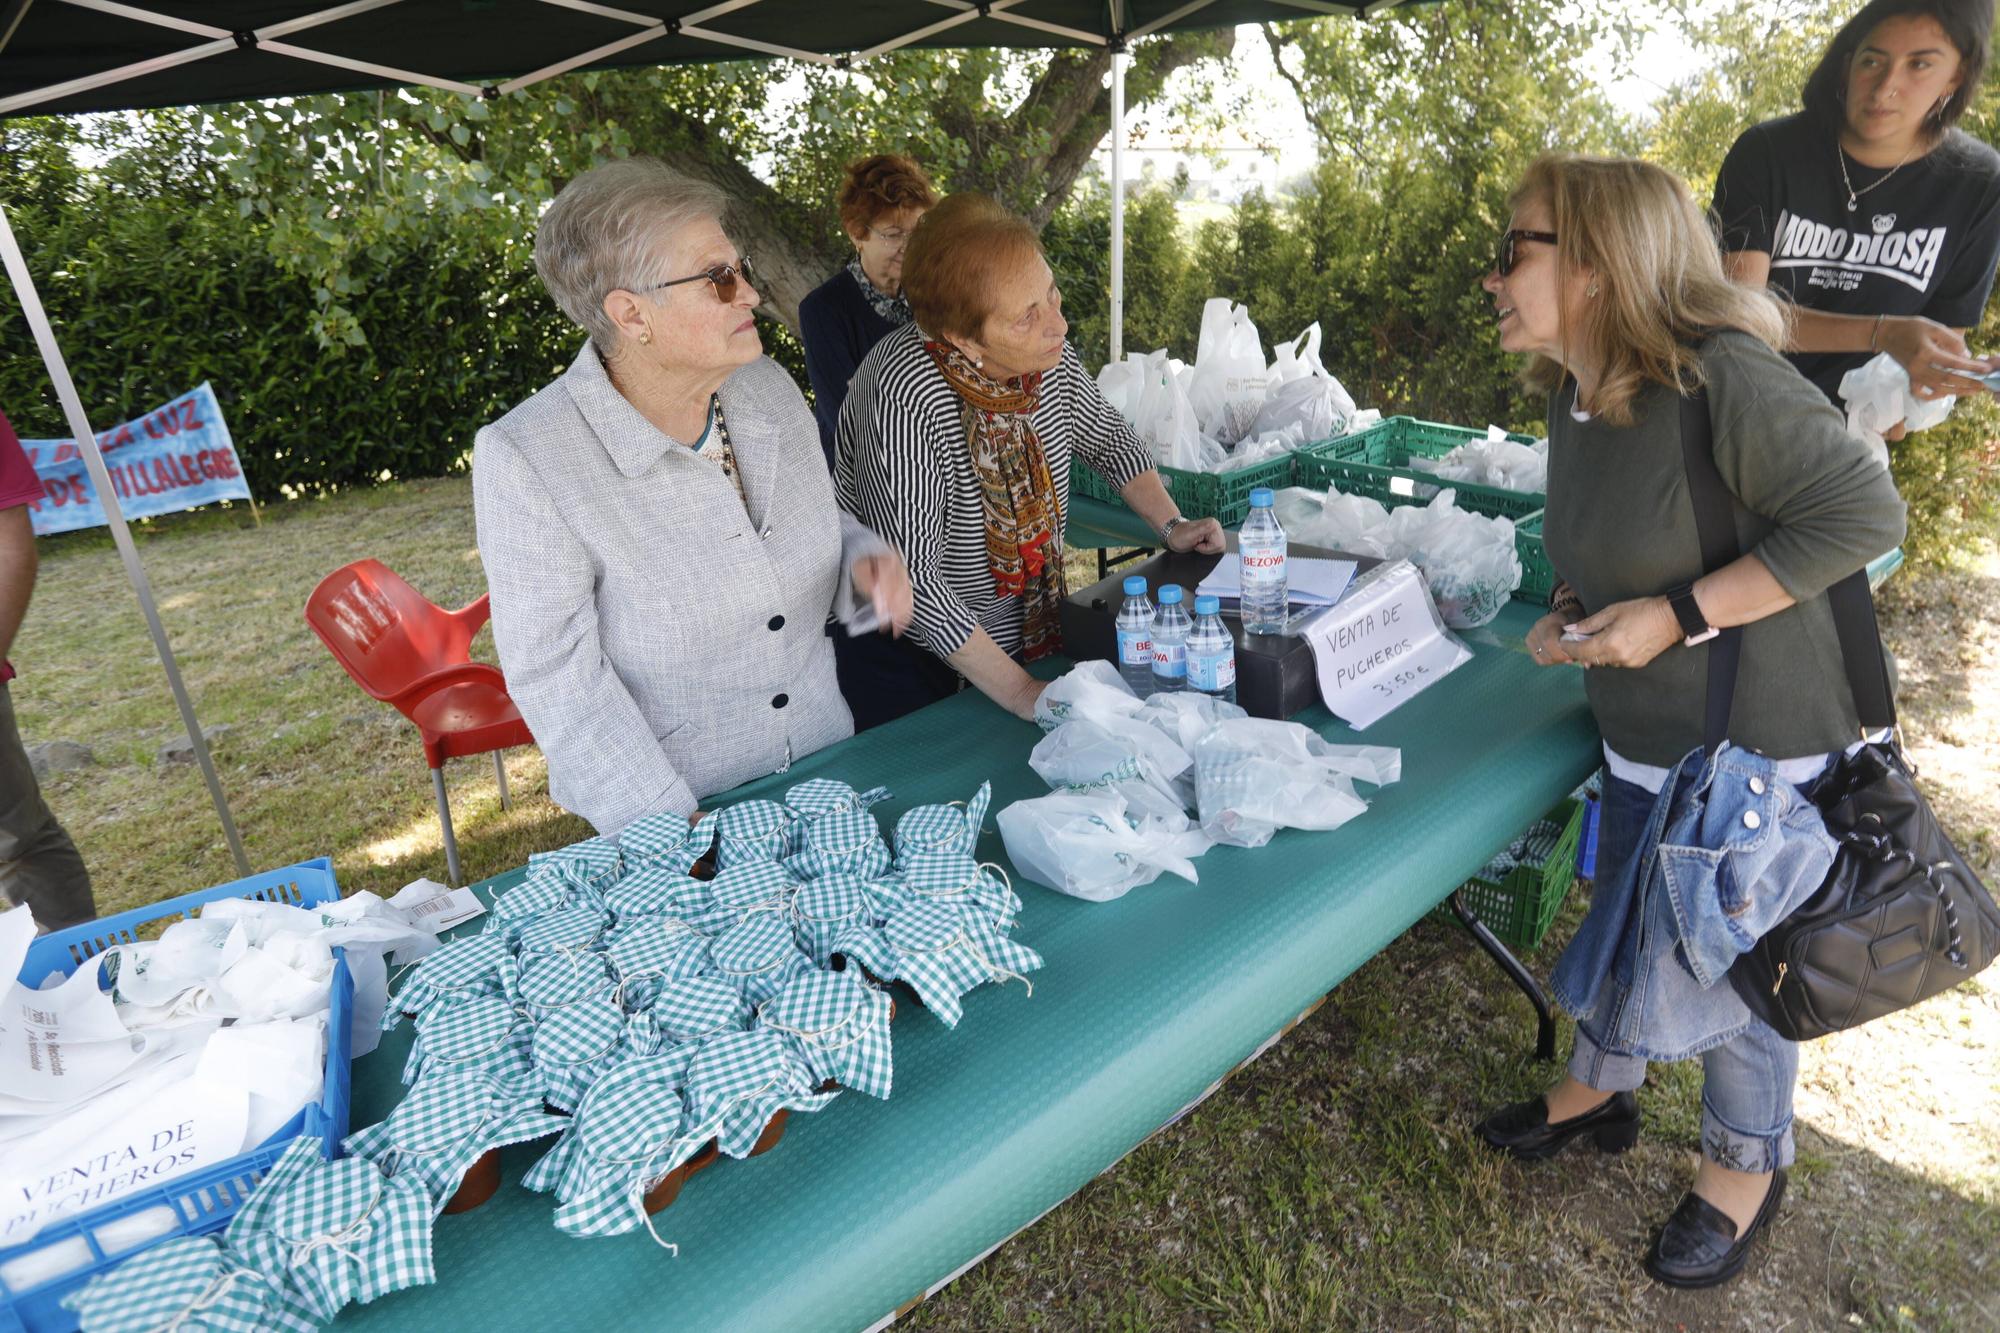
605,229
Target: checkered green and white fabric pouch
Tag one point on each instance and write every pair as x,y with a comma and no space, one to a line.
590,866
817,797
666,841
941,952
448,1121
758,957
927,828
574,1045
826,907
847,843
567,930
738,1081
467,966
630,1132
955,879
190,1284
335,1232
737,892
687,1010
544,890
841,1027
754,831
653,890
552,980
475,1032
661,947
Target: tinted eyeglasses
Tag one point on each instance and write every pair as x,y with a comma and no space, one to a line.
1511,239
723,277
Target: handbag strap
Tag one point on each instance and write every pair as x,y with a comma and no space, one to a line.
1850,599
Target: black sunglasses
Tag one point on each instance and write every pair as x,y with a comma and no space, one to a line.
722,276
1512,238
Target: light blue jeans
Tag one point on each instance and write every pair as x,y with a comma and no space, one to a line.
1747,1081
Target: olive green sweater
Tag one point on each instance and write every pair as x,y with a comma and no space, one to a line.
1811,503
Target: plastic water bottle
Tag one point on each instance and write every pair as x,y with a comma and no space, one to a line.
1170,632
1261,545
1211,653
1135,637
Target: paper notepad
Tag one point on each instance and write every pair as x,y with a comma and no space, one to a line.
1312,582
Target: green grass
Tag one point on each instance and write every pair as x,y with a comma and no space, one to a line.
1332,1184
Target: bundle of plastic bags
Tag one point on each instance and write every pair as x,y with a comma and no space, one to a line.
1878,398
1469,560
1493,461
1229,410
1125,772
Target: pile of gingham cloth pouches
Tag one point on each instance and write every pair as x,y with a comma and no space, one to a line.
647,1020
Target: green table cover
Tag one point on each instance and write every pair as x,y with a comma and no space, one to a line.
869,1204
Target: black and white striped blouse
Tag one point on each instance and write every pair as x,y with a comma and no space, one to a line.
902,467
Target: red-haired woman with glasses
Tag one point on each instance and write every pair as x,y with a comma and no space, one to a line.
658,527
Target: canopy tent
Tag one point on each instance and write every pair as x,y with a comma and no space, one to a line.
73,56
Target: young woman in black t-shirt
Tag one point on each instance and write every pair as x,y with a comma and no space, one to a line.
1868,210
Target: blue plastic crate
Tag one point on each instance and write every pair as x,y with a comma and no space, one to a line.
202,1201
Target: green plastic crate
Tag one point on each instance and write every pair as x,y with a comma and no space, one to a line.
1375,463
1520,908
1218,495
1538,576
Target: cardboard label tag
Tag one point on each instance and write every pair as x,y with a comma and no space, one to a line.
1382,645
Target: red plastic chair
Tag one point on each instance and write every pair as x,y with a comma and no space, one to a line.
404,650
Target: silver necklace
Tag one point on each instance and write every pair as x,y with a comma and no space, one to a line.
1854,195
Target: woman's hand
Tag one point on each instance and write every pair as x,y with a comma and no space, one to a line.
1198,534
1023,701
1624,634
1545,643
884,579
1934,355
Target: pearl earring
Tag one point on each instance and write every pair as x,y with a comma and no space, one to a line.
978,361
646,337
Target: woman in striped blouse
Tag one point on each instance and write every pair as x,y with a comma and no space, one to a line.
955,444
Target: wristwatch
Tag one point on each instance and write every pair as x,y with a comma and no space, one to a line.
1694,625
1167,530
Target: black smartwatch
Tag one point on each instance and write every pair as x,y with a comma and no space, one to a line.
1694,626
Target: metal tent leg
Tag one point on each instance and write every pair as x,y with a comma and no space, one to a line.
1117,339
500,772
444,822
1545,1022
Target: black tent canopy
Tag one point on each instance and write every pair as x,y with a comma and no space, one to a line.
75,56
64,56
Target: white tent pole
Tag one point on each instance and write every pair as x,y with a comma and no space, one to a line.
100,477
1118,62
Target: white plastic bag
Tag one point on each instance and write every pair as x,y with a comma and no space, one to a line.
1120,754
1878,397
1085,845
1493,461
1468,559
1149,390
1300,393
1227,387
1254,776
1091,689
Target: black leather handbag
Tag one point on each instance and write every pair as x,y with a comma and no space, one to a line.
1900,917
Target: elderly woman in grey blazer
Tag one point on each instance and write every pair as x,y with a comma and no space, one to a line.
659,532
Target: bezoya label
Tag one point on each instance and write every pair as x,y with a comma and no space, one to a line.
1840,256
1135,649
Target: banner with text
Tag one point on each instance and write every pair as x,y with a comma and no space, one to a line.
178,456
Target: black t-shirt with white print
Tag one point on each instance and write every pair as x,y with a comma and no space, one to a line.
1923,242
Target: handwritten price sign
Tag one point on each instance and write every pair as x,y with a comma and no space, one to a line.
1382,644
178,456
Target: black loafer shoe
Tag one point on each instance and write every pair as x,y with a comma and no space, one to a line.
1523,1131
1699,1247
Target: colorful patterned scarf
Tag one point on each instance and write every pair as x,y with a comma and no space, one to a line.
1024,514
895,309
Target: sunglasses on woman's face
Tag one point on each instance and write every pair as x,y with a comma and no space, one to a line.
1512,238
723,276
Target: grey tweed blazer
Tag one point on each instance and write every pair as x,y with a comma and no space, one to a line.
661,643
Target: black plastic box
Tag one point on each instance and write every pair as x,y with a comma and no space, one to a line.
1275,676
